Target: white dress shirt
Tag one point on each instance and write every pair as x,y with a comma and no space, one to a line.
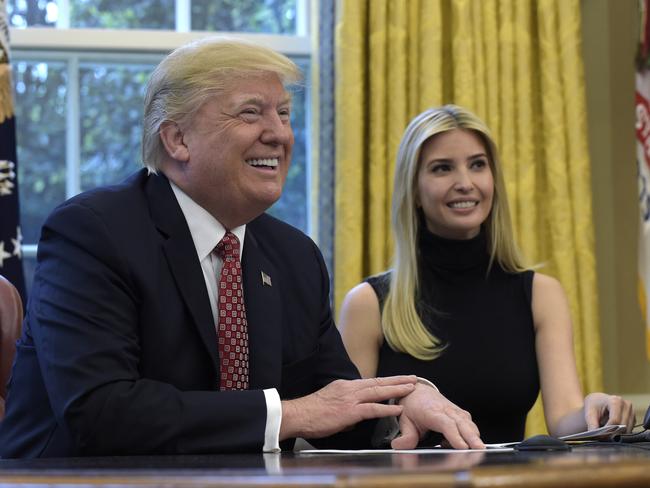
206,233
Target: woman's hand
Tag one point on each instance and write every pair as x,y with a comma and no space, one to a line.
602,409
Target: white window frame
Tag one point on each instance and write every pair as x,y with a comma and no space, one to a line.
140,41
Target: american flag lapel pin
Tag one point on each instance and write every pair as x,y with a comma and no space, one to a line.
266,279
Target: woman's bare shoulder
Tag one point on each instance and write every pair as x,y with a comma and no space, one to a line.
360,312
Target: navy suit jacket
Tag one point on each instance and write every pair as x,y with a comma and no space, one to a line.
119,350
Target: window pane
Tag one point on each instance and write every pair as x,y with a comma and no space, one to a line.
28,13
40,134
292,206
272,16
111,121
29,266
123,14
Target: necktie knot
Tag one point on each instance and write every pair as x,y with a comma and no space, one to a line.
228,247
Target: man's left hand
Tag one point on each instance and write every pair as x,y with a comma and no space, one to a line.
427,409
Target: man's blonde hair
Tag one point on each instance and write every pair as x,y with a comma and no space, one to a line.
194,73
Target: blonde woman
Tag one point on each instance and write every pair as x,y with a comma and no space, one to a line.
459,307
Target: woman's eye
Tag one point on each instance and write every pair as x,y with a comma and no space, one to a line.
440,168
479,163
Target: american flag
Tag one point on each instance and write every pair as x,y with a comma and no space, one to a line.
11,264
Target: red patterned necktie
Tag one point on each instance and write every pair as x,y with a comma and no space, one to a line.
232,328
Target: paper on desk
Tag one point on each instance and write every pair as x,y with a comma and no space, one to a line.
596,434
588,435
601,433
436,450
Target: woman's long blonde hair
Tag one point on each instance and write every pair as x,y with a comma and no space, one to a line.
401,323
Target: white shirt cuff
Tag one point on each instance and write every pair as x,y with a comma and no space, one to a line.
273,421
425,381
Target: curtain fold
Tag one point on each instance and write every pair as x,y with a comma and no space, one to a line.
515,63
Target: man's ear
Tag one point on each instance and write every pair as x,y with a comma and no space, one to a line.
171,136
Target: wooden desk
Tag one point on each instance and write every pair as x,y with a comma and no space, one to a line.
583,467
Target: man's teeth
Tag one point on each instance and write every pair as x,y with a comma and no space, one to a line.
463,204
271,162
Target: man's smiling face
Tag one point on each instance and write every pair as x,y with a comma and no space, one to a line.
239,148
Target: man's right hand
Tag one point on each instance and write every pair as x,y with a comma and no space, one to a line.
341,404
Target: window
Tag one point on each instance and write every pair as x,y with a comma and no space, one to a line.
80,68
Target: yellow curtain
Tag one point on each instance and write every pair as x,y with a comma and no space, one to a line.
515,63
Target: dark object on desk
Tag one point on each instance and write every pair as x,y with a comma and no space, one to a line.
633,438
643,436
542,443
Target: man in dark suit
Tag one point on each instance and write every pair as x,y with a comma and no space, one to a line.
147,333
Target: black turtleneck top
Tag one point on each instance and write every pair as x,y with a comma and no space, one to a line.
489,366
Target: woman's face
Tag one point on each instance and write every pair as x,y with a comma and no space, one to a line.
455,186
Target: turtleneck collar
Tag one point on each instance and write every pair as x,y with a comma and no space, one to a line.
452,254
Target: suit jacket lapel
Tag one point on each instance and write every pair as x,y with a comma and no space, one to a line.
263,314
183,263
